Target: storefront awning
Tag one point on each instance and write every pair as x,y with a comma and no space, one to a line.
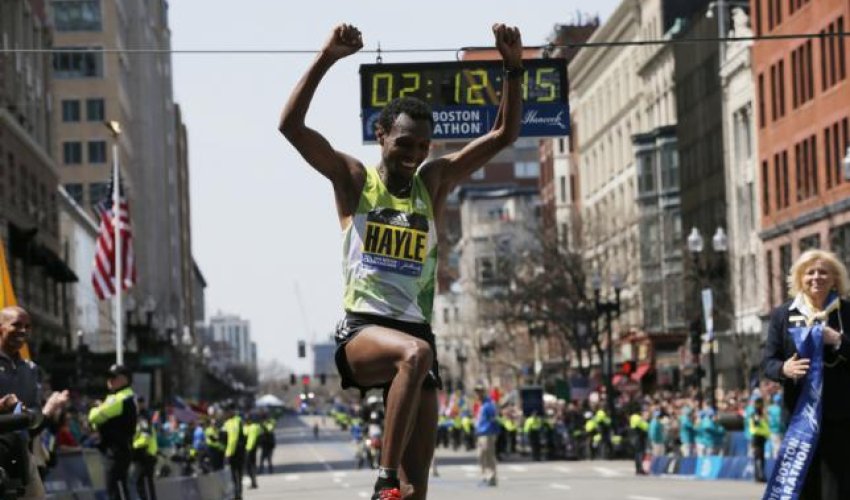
642,370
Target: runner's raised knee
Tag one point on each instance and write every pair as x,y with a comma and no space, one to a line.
417,357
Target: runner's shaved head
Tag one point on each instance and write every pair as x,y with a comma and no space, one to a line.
10,312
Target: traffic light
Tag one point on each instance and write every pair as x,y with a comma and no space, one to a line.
305,380
322,378
302,349
291,379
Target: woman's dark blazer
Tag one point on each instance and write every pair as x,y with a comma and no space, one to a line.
836,384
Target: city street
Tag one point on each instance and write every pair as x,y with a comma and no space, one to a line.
306,468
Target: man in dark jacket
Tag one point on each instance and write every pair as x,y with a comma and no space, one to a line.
115,420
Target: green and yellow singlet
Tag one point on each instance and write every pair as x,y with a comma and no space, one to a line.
390,253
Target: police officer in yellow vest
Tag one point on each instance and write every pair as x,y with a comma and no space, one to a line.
267,444
639,429
144,456
603,427
510,433
115,421
532,428
234,452
215,448
252,439
760,432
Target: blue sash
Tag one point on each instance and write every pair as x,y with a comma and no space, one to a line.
795,455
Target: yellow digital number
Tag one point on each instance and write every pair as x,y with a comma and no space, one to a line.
474,94
545,84
413,87
378,100
525,86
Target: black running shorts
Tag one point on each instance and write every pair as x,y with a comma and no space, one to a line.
354,323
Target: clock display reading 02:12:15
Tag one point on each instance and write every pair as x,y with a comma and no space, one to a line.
463,83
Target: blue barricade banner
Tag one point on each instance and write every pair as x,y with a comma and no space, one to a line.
688,466
709,467
659,465
737,445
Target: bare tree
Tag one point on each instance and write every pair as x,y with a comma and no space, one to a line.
273,377
541,283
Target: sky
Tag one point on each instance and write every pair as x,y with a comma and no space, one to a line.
264,226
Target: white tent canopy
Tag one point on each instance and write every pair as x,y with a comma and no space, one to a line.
269,400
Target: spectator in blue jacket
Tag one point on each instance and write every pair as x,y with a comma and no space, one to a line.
709,433
656,434
687,432
487,430
776,424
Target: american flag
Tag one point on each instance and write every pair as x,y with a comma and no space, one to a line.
103,274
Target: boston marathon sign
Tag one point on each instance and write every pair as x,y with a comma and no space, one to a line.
465,96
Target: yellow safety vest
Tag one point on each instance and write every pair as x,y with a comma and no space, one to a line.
636,421
252,431
760,427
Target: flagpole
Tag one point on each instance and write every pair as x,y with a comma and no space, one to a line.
115,128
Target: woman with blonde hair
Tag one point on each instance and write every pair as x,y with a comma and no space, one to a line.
807,351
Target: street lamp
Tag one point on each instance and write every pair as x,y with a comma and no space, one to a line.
537,330
720,244
609,310
721,6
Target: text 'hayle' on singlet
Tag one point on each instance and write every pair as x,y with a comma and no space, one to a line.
390,253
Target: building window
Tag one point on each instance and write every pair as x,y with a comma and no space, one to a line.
98,192
573,188
70,110
527,169
646,173
835,143
802,75
76,15
563,182
669,168
97,151
806,162
75,191
761,101
794,5
485,270
811,241
771,279
77,63
784,260
839,241
72,153
765,192
95,110
445,315
743,133
832,54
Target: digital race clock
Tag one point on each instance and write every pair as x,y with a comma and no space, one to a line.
465,95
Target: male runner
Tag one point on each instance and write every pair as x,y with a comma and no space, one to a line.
390,216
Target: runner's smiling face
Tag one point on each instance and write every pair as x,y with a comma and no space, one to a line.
405,146
15,327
